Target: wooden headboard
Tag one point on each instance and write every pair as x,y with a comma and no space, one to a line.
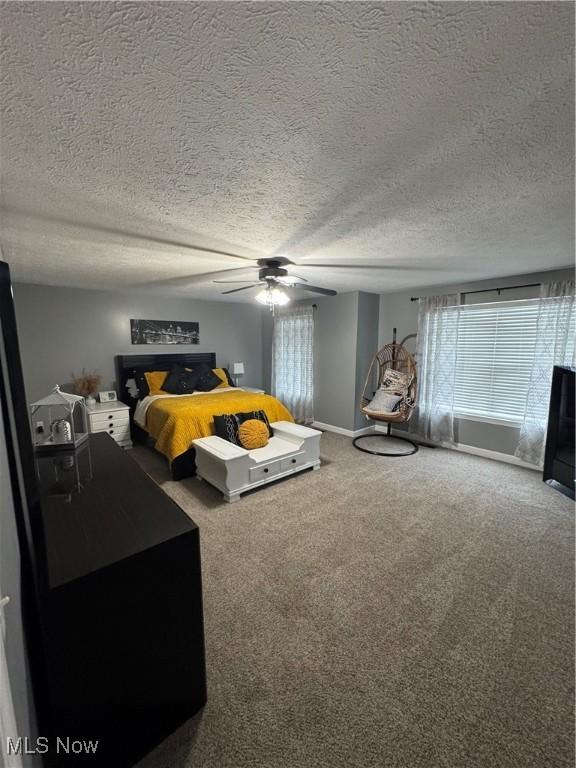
128,365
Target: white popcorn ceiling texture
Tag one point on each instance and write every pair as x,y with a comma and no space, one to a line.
435,138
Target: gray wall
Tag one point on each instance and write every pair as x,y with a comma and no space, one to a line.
267,334
396,310
336,329
366,347
63,330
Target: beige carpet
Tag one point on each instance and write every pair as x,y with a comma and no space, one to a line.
383,612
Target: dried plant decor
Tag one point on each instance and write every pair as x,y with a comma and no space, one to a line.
86,384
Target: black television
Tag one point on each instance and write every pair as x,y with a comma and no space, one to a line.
559,453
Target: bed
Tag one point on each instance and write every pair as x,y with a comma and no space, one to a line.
171,422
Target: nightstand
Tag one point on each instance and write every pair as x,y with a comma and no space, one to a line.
256,390
113,418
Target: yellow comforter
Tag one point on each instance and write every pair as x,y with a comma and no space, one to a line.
175,421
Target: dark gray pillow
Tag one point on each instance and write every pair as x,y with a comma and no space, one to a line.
207,380
172,382
185,381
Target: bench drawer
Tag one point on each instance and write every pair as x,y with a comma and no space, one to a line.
264,472
293,462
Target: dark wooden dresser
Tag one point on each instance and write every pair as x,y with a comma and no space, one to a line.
120,604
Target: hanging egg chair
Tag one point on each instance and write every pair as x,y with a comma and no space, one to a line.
389,395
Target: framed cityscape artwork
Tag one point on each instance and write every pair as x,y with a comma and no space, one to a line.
164,332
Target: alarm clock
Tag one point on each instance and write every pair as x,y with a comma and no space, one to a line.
107,396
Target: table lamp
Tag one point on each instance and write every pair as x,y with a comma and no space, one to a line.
237,371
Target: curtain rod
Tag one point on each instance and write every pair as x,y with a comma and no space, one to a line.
489,290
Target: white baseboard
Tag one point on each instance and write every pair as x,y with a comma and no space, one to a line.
463,448
483,452
341,430
494,455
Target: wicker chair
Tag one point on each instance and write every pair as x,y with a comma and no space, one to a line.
397,358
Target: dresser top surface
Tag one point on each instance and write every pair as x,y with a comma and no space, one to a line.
112,405
97,508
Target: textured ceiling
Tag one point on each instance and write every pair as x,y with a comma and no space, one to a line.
436,138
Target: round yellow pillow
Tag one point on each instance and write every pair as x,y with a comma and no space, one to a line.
253,433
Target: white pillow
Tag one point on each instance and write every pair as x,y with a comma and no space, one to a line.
383,402
395,381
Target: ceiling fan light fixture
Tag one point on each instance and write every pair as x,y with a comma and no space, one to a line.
273,297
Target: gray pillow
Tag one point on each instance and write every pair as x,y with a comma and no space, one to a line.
383,402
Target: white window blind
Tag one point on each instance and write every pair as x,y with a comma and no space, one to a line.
495,351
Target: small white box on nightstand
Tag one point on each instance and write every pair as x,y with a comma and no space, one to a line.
107,396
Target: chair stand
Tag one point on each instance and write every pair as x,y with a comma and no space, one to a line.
385,437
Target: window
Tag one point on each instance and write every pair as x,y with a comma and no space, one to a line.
495,350
492,362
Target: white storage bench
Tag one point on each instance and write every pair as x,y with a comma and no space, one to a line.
234,470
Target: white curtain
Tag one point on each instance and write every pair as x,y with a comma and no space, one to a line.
555,345
436,349
293,361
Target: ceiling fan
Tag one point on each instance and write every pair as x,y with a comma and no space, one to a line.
274,278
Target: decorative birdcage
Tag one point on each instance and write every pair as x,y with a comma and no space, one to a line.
59,421
64,473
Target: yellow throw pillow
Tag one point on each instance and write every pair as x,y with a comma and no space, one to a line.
155,380
222,376
253,433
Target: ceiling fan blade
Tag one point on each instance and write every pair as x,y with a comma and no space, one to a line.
290,280
375,266
147,237
229,282
203,277
245,288
315,289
